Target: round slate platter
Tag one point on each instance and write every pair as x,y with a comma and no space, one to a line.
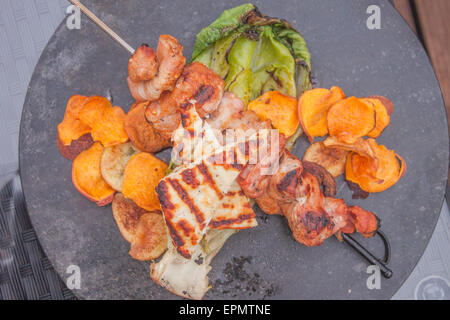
264,262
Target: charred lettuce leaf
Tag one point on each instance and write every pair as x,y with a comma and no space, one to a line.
255,53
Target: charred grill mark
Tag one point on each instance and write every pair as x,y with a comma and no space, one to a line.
228,222
184,196
252,34
185,106
178,241
237,166
208,179
188,176
190,132
184,252
289,182
316,221
185,120
186,227
228,206
163,195
229,49
275,78
204,93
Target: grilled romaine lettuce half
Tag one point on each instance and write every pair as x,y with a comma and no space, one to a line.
255,53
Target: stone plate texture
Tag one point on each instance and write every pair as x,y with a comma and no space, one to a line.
264,262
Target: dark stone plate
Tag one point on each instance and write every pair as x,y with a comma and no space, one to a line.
264,262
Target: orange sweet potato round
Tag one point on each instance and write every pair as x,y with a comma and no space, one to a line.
77,146
150,239
106,122
87,178
72,128
142,174
281,109
382,117
313,106
350,119
375,174
141,132
386,103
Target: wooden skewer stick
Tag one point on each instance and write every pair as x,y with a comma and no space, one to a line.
103,26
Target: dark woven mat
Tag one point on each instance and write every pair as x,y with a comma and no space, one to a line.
25,271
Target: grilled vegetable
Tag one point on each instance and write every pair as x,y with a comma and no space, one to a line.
378,173
255,53
313,109
332,159
114,161
87,178
350,119
142,174
105,121
73,135
280,109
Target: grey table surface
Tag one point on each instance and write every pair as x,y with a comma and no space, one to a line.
26,26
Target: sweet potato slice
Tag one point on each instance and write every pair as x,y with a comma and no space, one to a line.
73,135
72,128
87,178
382,117
77,146
360,146
114,160
332,159
141,132
142,175
386,103
350,119
313,108
281,109
106,122
150,239
375,174
126,214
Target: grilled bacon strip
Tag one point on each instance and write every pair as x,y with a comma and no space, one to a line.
295,193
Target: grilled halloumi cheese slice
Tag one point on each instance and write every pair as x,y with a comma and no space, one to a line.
191,196
203,193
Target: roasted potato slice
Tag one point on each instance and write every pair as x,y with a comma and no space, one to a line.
114,161
87,178
150,239
332,159
126,214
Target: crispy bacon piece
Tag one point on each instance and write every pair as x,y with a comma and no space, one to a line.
294,191
324,178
